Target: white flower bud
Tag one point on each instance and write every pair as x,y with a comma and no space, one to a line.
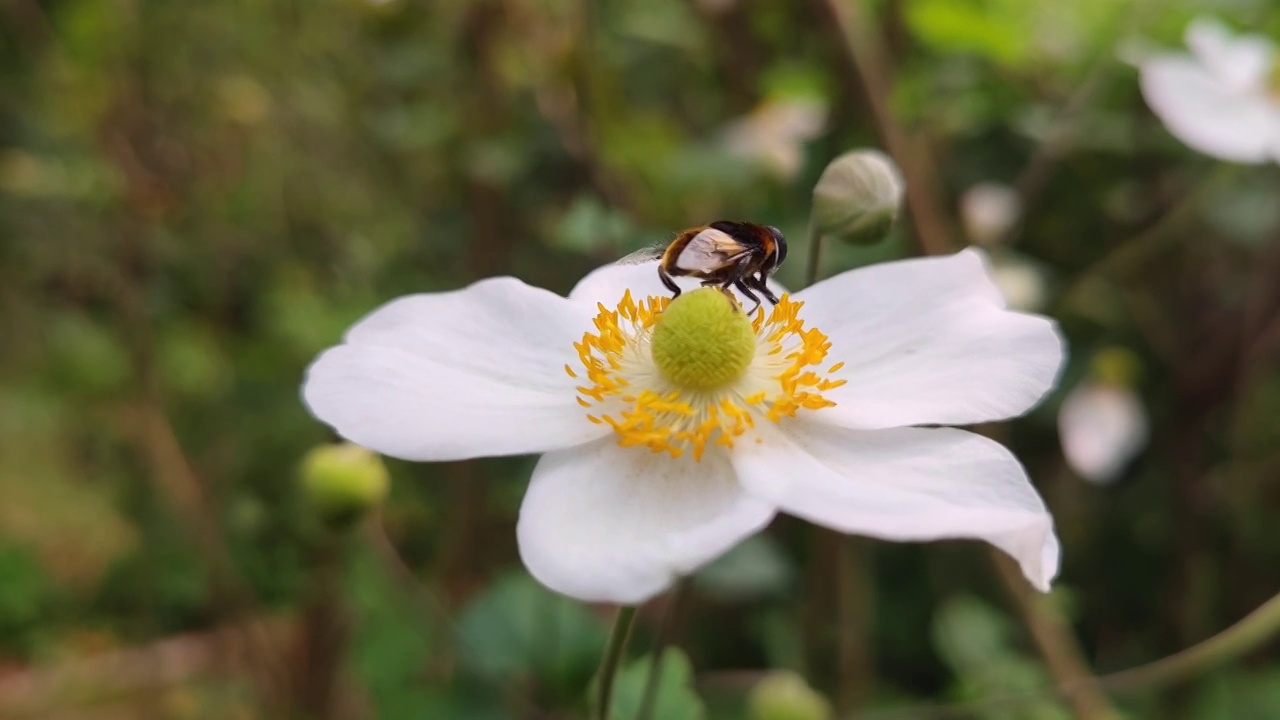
857,197
1103,424
988,211
774,134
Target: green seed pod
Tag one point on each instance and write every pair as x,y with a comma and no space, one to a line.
343,482
857,197
786,696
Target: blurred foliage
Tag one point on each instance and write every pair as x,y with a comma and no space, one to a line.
196,198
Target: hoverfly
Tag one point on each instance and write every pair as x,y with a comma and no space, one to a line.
725,254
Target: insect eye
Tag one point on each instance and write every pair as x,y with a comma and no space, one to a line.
782,243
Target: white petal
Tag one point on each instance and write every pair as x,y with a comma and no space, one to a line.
929,341
604,523
903,484
1202,111
1102,428
445,376
608,283
1240,63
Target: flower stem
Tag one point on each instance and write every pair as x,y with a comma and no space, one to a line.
815,256
675,603
613,657
1252,631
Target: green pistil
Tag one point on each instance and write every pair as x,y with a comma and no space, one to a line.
703,340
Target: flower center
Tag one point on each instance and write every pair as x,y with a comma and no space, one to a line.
682,375
703,340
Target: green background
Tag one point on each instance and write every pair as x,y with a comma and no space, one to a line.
197,197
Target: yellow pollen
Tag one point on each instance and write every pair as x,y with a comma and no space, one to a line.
646,408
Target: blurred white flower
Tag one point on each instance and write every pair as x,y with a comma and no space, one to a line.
1102,423
1021,281
988,211
774,134
1222,99
672,431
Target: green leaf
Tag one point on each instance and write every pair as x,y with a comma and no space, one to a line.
674,697
949,25
977,641
520,629
756,568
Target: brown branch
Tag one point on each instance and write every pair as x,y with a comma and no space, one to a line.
1055,641
37,692
933,227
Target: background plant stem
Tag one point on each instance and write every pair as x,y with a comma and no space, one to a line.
613,658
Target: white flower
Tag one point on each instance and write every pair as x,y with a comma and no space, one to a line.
988,211
1102,427
645,479
1222,99
774,134
1102,422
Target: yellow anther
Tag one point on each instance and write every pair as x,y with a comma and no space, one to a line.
647,407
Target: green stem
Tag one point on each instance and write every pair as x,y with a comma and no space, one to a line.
815,256
651,684
613,657
1251,632
1246,635
665,631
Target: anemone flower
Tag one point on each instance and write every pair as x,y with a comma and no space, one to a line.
1102,422
1103,427
1223,99
671,430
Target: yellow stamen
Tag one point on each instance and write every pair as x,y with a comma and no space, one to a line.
646,408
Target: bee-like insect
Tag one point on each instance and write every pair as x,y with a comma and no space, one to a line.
725,254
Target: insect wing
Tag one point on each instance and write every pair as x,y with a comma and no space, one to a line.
710,250
643,255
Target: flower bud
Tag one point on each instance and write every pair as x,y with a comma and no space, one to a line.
786,696
1103,423
857,197
1115,365
343,482
989,211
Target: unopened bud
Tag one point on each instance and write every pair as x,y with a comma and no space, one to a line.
1115,365
857,197
343,482
988,211
786,696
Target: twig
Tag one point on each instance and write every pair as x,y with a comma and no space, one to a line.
675,605
923,191
146,669
1055,641
1250,633
855,661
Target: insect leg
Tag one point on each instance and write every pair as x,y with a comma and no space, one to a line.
671,284
758,283
742,288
